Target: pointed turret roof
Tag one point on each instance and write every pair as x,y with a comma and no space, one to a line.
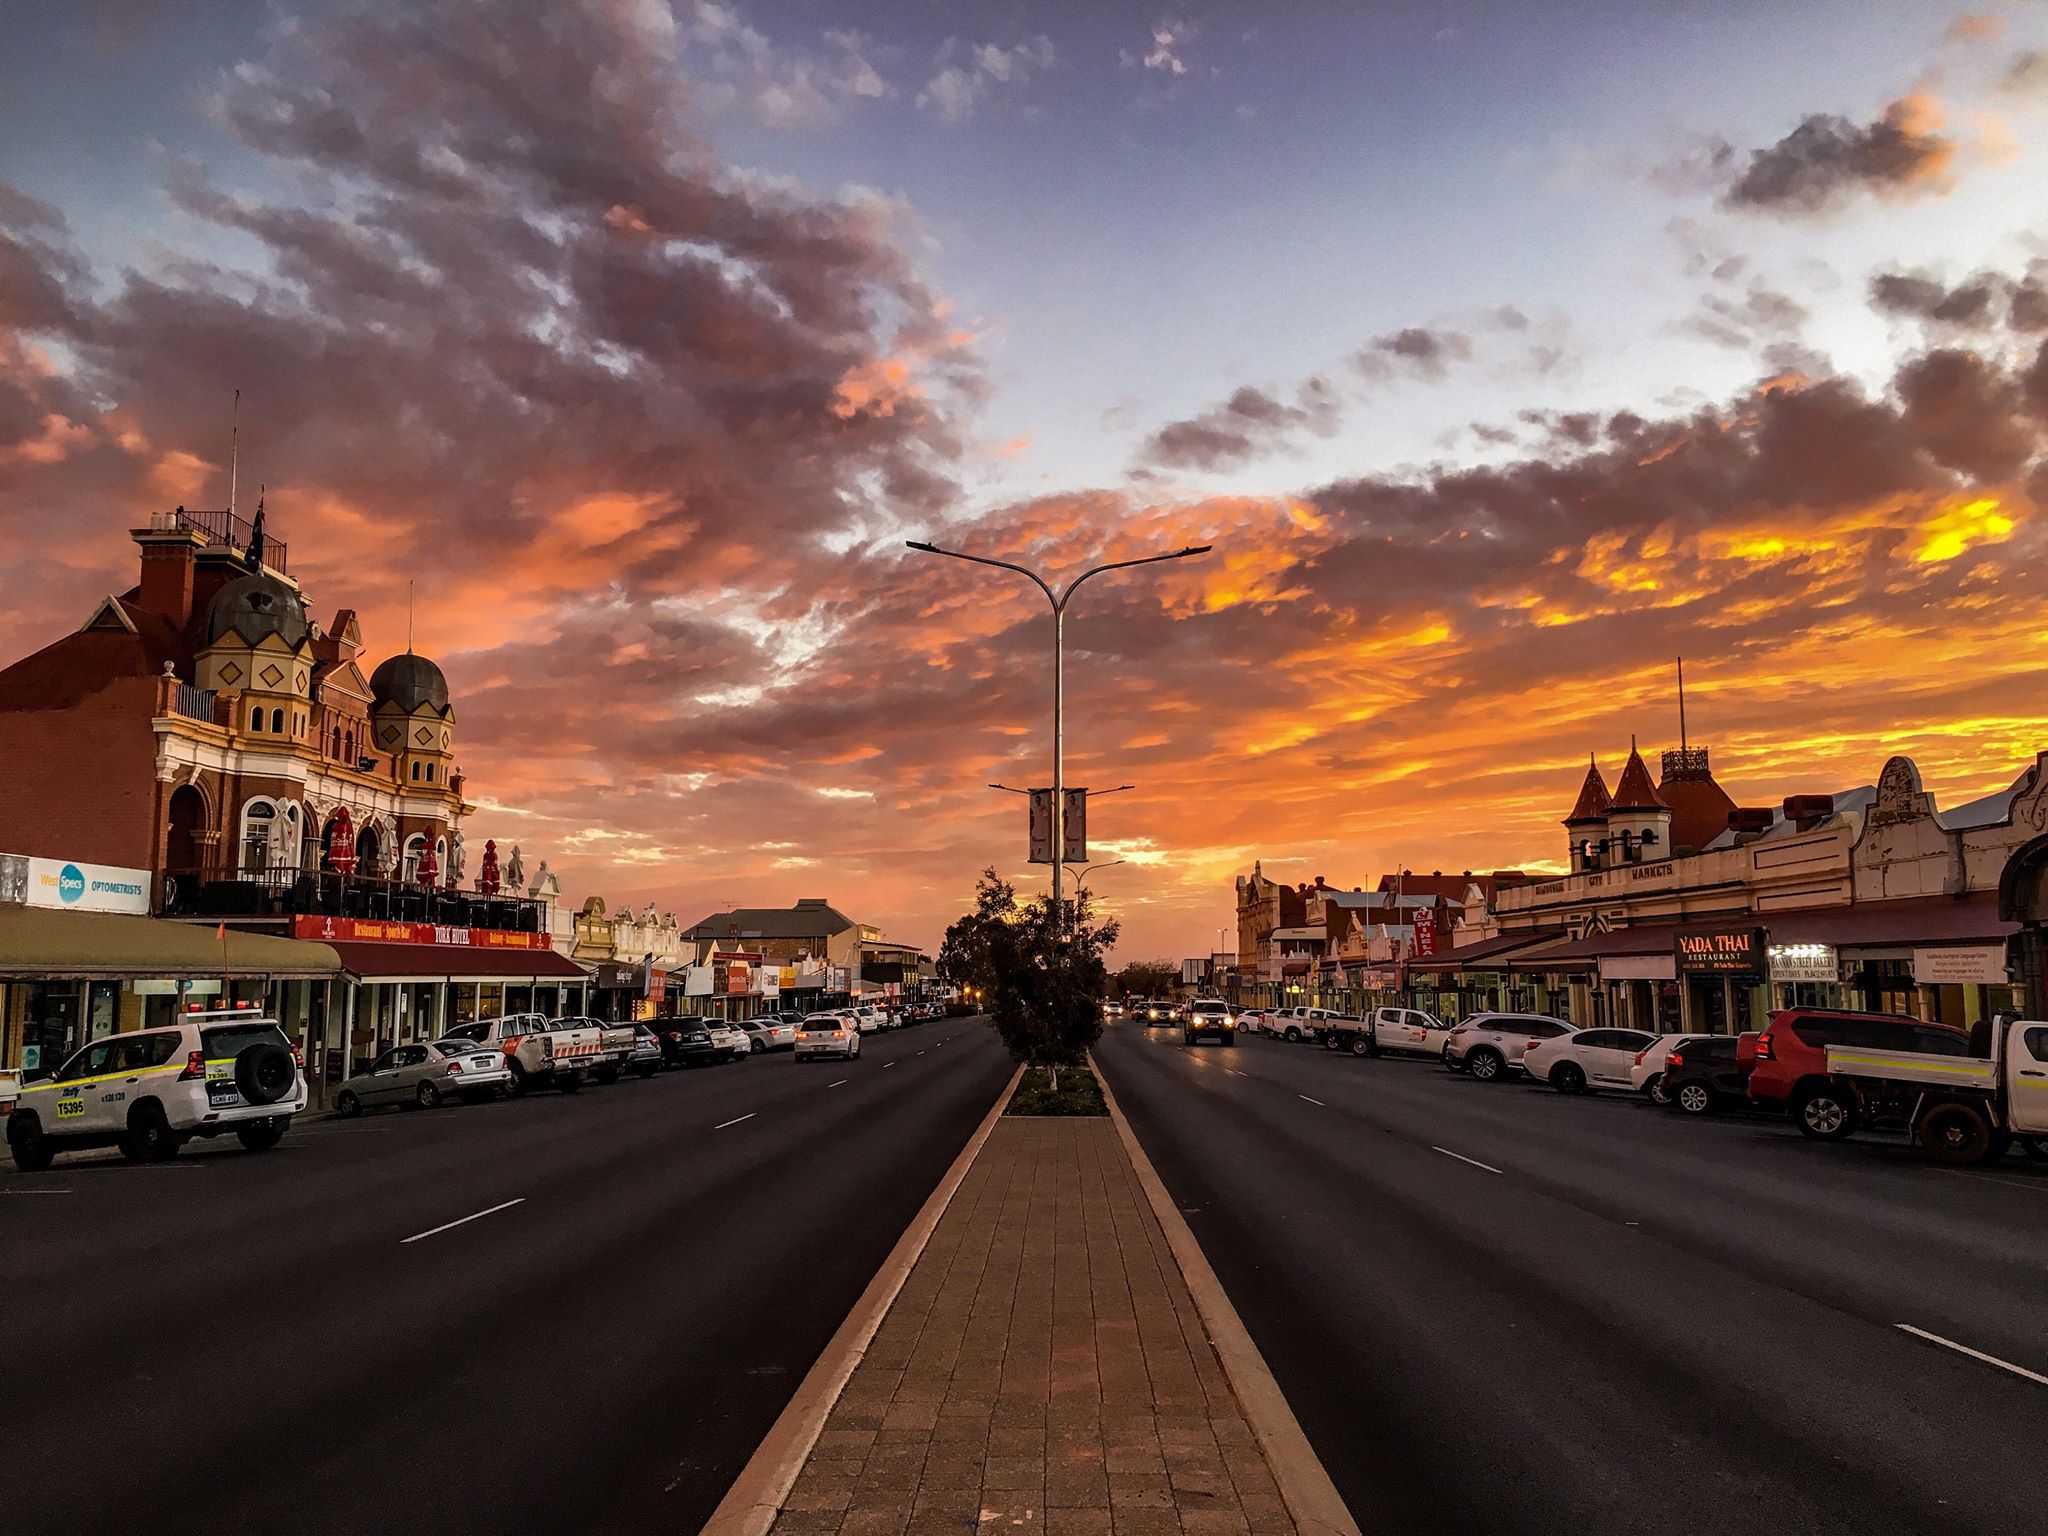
1593,797
1634,791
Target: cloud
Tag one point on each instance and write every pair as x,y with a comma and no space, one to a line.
1829,160
1165,51
1975,27
1980,301
1419,351
1748,320
971,74
2027,74
737,66
1251,422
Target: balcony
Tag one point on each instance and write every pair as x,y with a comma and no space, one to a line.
227,530
193,703
287,893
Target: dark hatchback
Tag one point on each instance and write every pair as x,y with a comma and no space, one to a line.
686,1043
1704,1075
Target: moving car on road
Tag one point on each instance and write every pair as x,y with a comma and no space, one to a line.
828,1034
150,1091
1207,1017
1702,1074
1490,1045
421,1075
1586,1060
1789,1072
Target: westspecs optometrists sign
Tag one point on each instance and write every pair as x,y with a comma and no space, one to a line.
71,886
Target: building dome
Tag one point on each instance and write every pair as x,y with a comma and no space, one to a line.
256,606
409,681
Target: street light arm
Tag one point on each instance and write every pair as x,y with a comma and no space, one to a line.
1119,565
1001,565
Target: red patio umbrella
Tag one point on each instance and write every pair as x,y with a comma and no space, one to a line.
487,877
429,866
341,843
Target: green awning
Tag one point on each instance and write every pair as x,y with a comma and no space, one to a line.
46,942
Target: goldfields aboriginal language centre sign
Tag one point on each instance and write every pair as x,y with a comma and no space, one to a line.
1721,952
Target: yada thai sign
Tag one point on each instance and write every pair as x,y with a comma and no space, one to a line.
1721,952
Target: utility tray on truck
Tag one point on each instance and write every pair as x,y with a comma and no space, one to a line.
1959,1072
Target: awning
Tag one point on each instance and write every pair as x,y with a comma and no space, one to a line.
453,962
40,942
1485,954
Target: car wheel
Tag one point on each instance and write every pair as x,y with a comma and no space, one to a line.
1361,1044
1486,1064
1653,1089
1330,1040
568,1082
1692,1098
261,1135
1956,1134
29,1147
1293,1035
1568,1077
755,1047
428,1096
347,1105
519,1082
1825,1114
149,1138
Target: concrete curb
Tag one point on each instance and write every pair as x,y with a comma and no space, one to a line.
1312,1499
751,1504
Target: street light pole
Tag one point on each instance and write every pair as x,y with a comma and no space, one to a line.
1059,601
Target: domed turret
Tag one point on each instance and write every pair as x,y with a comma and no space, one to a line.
255,607
409,681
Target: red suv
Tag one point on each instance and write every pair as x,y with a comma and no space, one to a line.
1788,1065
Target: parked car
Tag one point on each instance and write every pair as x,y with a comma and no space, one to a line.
421,1075
828,1034
1962,1112
730,1040
687,1042
646,1059
545,1052
1788,1062
1210,1016
1647,1075
1408,1030
1702,1074
1490,1045
1251,1020
150,1091
1586,1060
1290,1024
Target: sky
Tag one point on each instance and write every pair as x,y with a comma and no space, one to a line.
1503,352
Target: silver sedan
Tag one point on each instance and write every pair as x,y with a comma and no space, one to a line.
421,1076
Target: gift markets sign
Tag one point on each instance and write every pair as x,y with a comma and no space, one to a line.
76,887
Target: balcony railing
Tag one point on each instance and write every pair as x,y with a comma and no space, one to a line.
323,893
230,530
193,703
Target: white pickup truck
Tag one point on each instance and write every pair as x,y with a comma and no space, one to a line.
1387,1029
546,1052
1964,1109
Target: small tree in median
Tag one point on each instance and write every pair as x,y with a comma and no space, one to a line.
1043,979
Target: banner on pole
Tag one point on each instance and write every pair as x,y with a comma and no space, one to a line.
1074,827
1041,826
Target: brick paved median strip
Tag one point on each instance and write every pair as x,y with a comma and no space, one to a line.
1043,1367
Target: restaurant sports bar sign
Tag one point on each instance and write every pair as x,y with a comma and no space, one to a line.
356,930
1720,952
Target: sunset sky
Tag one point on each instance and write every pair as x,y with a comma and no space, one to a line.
1503,351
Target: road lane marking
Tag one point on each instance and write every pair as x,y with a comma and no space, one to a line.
1461,1157
1975,1354
840,1084
887,1065
34,1191
747,1116
1319,1104
920,1053
463,1222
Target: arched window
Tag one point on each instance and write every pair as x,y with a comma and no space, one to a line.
256,719
430,773
414,847
259,825
277,721
415,771
348,748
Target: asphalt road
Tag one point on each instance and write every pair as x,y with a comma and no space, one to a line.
1625,1321
249,1342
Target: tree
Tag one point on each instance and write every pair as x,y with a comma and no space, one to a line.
1043,979
1147,978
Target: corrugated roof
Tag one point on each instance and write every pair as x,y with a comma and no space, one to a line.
37,941
772,923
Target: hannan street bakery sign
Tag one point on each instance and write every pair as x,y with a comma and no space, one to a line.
1721,952
356,930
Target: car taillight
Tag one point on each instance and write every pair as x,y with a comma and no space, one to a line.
1641,1054
547,1045
1763,1047
195,1068
454,1066
298,1058
676,1035
1531,1045
1675,1059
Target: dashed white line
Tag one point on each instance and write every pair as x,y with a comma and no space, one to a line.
1975,1354
887,1064
34,1191
920,1053
1461,1157
463,1222
1319,1104
840,1084
747,1116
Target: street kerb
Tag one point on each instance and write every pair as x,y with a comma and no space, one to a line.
751,1504
1312,1499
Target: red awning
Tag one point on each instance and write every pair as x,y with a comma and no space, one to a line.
454,962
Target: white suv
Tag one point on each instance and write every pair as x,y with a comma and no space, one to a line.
1490,1045
151,1091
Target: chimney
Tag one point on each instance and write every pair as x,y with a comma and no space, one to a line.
1809,811
170,551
